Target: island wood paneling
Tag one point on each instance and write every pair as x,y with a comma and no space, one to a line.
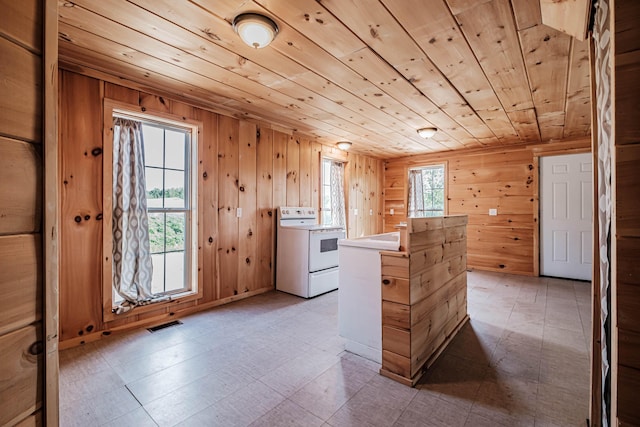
254,166
424,295
476,182
21,204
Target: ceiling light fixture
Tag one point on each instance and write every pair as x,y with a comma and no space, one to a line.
427,133
344,145
255,30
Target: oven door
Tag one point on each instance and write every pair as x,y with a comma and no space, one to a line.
323,248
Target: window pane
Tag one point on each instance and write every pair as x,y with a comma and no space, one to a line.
153,145
157,278
153,178
174,149
175,270
156,232
175,231
173,189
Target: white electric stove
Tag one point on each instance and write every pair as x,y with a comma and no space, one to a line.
306,253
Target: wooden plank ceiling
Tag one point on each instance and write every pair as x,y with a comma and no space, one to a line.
484,72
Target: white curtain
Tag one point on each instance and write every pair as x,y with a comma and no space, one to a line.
415,203
336,181
132,267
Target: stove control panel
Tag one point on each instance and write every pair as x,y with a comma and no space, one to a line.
287,212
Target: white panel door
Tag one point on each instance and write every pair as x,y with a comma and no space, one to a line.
566,216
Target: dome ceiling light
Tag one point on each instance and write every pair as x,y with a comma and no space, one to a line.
257,31
344,145
427,133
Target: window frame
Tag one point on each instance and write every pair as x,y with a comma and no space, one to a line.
193,213
345,165
445,166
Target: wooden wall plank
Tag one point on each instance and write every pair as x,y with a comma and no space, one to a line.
247,223
316,175
305,172
208,183
266,211
293,171
21,280
22,21
21,102
121,93
228,130
280,141
22,365
81,203
20,205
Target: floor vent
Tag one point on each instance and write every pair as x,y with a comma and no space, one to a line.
164,326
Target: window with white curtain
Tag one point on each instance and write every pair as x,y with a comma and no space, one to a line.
333,200
426,191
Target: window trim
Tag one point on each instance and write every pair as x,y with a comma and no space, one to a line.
137,112
445,165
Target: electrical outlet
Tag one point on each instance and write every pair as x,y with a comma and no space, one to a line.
371,212
493,212
239,212
391,211
355,212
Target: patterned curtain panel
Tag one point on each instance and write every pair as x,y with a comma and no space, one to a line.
339,215
415,200
603,52
132,268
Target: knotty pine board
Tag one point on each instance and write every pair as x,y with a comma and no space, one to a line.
228,194
20,205
20,103
304,176
247,223
280,169
81,202
21,280
293,170
265,209
21,369
497,49
208,202
22,21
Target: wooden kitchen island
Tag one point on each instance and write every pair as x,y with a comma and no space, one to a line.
424,295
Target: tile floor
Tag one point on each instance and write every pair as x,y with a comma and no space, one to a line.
277,360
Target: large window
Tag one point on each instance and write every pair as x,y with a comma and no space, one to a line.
333,203
426,191
167,173
150,209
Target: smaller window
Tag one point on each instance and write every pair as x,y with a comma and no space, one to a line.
332,201
426,191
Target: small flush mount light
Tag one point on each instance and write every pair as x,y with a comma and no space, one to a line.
344,145
427,133
255,30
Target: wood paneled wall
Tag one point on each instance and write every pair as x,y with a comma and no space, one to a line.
626,226
21,263
242,165
476,182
